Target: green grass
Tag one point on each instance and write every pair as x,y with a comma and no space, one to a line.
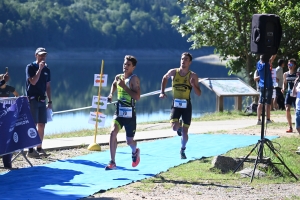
233,114
201,172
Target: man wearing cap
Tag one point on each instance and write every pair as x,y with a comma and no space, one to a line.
38,88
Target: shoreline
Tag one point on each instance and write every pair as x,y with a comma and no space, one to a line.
89,53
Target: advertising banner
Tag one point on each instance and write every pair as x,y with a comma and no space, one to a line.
17,128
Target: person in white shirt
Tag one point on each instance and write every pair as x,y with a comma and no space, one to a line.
296,93
279,99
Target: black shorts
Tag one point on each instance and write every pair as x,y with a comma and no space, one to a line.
290,100
184,113
278,91
128,123
38,111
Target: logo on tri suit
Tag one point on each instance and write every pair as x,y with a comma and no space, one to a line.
185,80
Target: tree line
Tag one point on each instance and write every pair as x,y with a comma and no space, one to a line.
226,25
108,24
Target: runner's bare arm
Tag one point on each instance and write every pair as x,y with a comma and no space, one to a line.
113,88
195,84
169,74
135,89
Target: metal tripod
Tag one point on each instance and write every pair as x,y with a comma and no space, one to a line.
263,141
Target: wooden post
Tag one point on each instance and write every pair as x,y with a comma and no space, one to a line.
238,103
220,103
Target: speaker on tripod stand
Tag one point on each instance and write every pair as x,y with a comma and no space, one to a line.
266,34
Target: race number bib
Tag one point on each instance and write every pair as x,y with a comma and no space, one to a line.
125,112
180,103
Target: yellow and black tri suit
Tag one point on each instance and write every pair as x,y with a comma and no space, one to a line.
181,88
127,103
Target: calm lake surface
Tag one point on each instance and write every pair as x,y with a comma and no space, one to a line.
72,85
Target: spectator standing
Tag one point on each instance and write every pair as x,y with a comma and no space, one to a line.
38,88
296,93
288,84
279,99
265,80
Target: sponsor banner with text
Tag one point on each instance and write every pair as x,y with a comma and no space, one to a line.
17,127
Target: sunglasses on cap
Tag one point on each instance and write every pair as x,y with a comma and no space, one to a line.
290,64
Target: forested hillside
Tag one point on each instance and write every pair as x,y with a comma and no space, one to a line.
89,24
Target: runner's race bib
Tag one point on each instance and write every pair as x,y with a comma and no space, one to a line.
125,112
180,103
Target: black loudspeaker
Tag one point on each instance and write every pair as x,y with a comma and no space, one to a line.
266,34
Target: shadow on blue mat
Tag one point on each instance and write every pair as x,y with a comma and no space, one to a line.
85,175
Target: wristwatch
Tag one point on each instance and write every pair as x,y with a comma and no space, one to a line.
49,102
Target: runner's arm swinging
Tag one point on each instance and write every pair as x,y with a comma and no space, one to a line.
164,81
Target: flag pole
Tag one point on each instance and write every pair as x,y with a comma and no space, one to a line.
95,146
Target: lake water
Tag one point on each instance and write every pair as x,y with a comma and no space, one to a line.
72,86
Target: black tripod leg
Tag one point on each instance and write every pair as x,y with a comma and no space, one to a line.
256,161
272,149
245,158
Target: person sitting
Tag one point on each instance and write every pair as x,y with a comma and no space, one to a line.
7,90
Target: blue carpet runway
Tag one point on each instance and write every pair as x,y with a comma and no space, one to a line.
85,175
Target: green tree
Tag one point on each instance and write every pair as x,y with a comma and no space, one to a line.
89,23
289,12
226,24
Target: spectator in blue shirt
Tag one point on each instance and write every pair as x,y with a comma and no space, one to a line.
265,79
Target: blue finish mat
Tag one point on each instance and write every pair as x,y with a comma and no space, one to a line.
85,175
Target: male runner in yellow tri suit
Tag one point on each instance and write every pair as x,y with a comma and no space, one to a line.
128,87
183,80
